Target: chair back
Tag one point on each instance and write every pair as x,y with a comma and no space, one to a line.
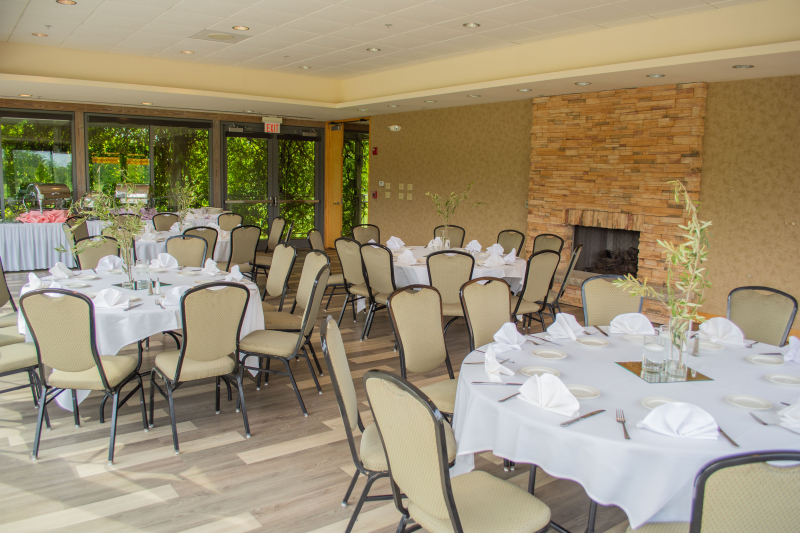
283,259
413,436
89,253
603,301
743,493
188,250
378,269
576,253
244,240
486,308
209,235
228,221
416,313
164,221
339,371
212,321
448,271
511,239
548,241
454,233
80,230
5,294
315,240
539,276
275,232
364,232
311,288
122,216
289,230
349,252
763,314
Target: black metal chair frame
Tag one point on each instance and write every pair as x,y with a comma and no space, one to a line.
365,226
285,281
350,298
281,240
430,276
373,305
774,291
452,244
184,236
604,276
203,229
77,256
527,319
164,214
556,303
466,313
252,274
549,235
521,243
330,286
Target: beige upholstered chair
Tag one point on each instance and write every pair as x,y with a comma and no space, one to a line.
212,316
413,433
548,241
266,345
742,494
416,313
379,275
539,276
511,239
77,229
244,240
164,221
315,241
276,229
92,249
188,250
209,235
763,314
228,221
486,308
554,297
62,325
454,233
363,233
335,281
122,216
603,301
283,260
368,458
8,317
349,252
448,271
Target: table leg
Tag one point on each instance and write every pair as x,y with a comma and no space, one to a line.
592,517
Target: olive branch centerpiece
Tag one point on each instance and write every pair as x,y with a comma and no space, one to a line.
447,205
184,197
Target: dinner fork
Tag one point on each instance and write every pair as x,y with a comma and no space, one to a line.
621,420
767,424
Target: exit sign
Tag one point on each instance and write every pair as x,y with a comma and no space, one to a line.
272,127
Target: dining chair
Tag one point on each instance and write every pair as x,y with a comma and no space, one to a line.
448,270
532,299
511,239
228,221
277,284
554,297
7,319
763,314
188,250
266,345
548,241
264,259
454,233
90,253
349,252
164,221
335,281
244,240
315,241
123,216
209,235
740,494
62,325
603,301
487,306
78,229
412,430
416,312
364,232
212,316
379,276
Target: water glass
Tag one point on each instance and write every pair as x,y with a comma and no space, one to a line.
142,268
447,244
653,354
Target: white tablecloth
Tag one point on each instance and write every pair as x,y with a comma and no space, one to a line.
148,250
32,246
651,476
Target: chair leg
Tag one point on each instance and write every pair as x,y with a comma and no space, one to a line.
333,290
266,374
344,307
152,395
143,402
75,413
294,386
32,382
353,303
259,374
592,516
228,386
239,381
371,319
532,479
175,337
311,369
103,410
114,409
313,354
40,416
448,324
172,419
366,322
350,488
370,480
216,390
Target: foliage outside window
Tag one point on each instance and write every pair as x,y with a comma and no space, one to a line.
297,182
355,191
248,159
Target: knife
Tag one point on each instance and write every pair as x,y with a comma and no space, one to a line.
545,340
568,422
494,383
727,437
133,306
601,331
771,353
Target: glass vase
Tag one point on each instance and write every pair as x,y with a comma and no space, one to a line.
677,338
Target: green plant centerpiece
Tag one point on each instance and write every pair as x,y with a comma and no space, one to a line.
184,196
447,205
682,294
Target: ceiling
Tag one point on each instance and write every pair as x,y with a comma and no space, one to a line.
328,38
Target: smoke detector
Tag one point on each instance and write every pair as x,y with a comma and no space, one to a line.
217,36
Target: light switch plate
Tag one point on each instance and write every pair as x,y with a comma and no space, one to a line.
399,196
408,186
400,186
380,184
388,194
388,185
408,196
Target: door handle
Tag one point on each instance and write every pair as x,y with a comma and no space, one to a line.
336,203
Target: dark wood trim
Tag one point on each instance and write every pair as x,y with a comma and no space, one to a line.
79,154
216,164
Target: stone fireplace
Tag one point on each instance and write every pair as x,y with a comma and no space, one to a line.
607,251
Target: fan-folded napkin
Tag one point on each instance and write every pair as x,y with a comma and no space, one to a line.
474,246
434,241
791,352
176,227
493,368
565,327
164,260
35,283
790,416
111,299
495,249
494,260
631,324
210,268
235,274
60,271
223,235
406,258
147,237
720,329
549,393
507,338
371,241
394,243
109,262
510,258
173,296
679,419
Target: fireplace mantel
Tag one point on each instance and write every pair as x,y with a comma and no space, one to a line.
603,219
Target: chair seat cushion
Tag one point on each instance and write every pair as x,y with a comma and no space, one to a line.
360,290
382,299
16,356
661,527
10,320
243,268
10,335
452,309
263,259
116,367
372,455
282,321
191,369
336,279
277,343
487,504
443,394
268,307
525,307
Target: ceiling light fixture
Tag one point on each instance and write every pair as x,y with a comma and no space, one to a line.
430,101
473,95
363,109
304,67
248,111
66,2
524,90
393,105
656,75
186,52
26,95
147,103
471,25
583,83
39,34
394,127
373,49
241,28
735,66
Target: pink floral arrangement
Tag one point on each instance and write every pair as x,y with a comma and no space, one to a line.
46,217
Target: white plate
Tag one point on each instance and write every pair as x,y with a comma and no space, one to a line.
156,269
114,271
710,346
539,370
651,402
548,353
87,276
783,379
768,360
188,273
594,342
748,402
76,285
134,299
583,392
90,294
636,339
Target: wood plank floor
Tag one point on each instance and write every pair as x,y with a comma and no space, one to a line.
289,477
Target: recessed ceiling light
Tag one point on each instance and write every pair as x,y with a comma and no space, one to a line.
583,83
524,90
656,75
66,2
241,28
735,66
393,105
249,111
474,95
363,109
373,49
39,34
147,103
471,25
26,95
430,101
304,67
186,52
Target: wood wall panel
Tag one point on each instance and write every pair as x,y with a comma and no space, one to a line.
334,145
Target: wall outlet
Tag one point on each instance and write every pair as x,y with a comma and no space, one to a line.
380,184
399,196
388,185
400,186
388,194
408,186
408,196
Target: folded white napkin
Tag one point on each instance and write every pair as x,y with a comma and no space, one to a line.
109,262
164,260
494,260
199,212
210,268
190,216
791,352
495,249
434,241
790,416
371,241
34,282
679,419
474,246
720,329
631,324
550,393
565,327
173,296
175,227
406,258
222,235
147,237
493,368
111,299
60,271
510,258
394,243
508,338
235,275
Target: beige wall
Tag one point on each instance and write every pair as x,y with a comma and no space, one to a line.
444,150
750,186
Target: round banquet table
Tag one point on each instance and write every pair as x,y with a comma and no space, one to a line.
651,476
96,226
147,250
117,328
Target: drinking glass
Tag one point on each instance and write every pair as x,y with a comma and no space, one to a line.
142,268
653,354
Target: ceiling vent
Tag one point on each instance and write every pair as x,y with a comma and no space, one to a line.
217,36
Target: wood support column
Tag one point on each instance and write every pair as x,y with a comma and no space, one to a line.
334,146
79,156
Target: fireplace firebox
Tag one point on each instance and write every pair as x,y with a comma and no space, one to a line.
607,251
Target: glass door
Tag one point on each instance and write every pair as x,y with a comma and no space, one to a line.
355,181
247,177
